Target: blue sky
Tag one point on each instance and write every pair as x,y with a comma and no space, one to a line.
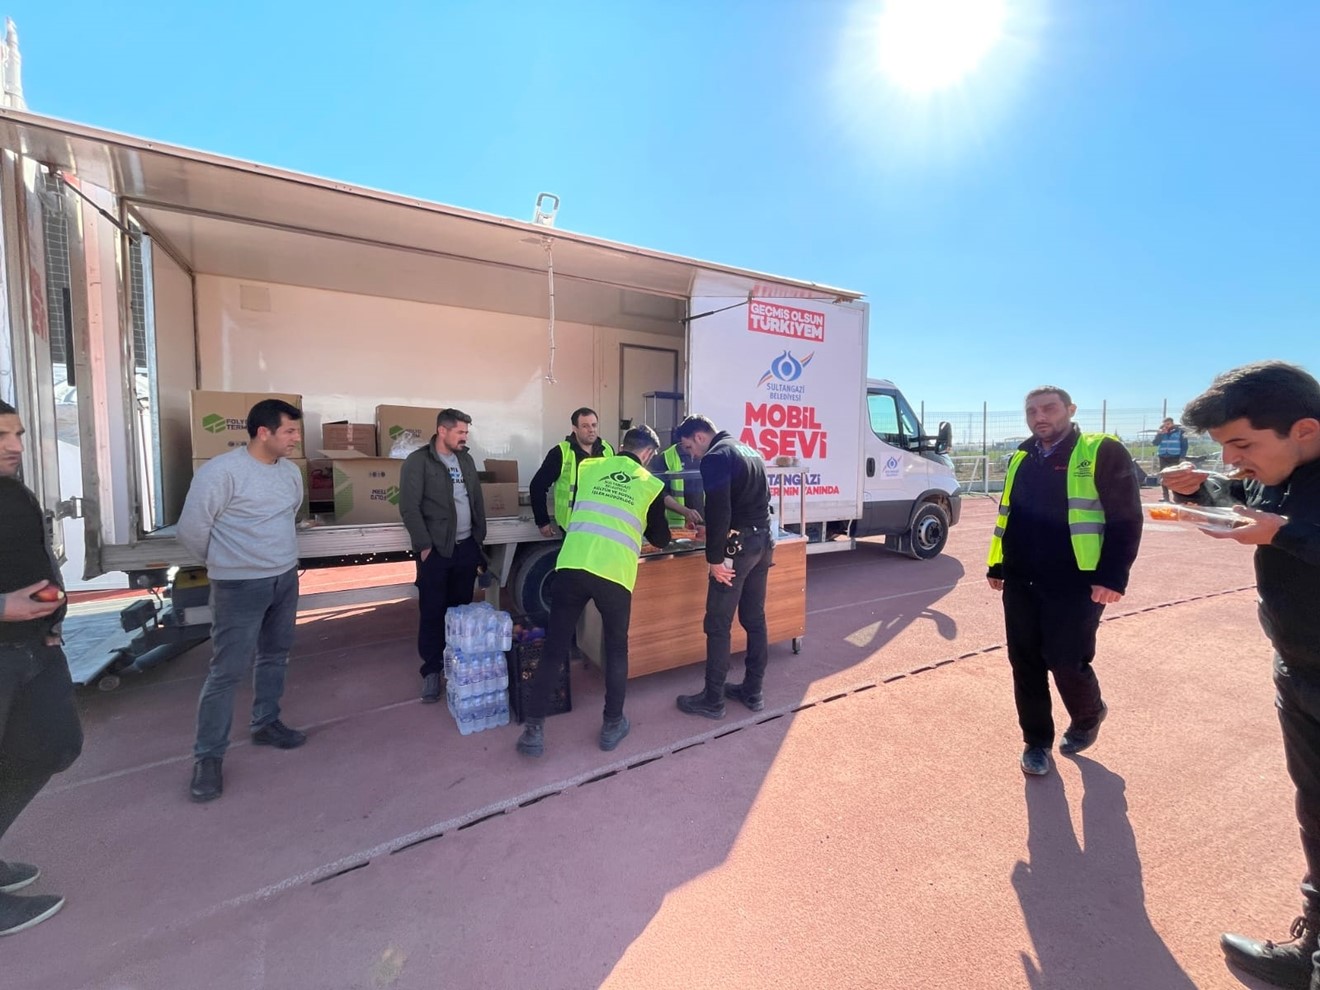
1122,198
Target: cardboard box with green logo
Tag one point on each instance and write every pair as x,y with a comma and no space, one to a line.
218,420
366,488
392,422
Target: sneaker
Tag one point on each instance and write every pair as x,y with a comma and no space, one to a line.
16,876
612,732
1284,964
207,781
736,691
18,913
1074,742
430,689
532,740
700,704
279,735
1035,761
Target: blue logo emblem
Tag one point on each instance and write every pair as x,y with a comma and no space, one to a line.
786,368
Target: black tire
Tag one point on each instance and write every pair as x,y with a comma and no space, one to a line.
530,581
928,533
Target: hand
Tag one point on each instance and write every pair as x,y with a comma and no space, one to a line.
549,530
1184,478
692,516
722,574
996,584
1104,596
18,606
424,554
1259,533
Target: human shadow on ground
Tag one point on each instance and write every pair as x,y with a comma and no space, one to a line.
1082,897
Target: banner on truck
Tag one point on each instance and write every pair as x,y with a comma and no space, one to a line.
787,377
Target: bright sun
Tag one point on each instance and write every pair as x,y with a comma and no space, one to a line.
929,45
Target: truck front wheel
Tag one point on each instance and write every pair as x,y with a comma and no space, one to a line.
928,533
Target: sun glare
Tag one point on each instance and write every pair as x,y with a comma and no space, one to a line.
928,45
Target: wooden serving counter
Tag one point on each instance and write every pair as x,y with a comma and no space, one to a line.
669,604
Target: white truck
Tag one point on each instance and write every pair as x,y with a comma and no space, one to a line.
134,272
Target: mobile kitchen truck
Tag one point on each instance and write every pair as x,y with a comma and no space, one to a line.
135,272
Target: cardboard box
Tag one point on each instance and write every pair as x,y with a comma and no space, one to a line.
218,420
502,471
391,421
321,480
366,489
305,509
500,498
350,436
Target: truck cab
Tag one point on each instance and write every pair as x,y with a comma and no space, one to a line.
910,493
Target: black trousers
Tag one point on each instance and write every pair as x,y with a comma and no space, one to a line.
1167,460
39,730
1297,697
1052,631
747,596
570,592
442,582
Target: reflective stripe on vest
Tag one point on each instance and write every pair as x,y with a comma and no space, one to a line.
1086,516
566,485
609,517
674,463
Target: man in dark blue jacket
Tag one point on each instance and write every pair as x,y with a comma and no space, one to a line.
739,554
1267,418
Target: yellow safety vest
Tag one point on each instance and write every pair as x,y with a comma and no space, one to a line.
674,464
566,485
1086,516
609,517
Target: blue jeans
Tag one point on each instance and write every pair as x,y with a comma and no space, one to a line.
746,596
252,622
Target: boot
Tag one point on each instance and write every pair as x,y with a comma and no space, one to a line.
709,703
749,695
207,779
532,740
613,731
1284,964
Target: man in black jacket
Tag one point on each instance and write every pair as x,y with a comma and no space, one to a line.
1267,418
441,506
1060,556
39,730
739,554
558,474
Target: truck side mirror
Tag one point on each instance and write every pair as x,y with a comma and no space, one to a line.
944,439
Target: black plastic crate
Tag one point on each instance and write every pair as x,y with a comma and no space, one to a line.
523,660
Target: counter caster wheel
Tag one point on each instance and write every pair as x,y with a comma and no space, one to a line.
797,645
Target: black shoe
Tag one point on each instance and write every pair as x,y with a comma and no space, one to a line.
612,733
532,740
753,701
18,913
701,704
1035,761
279,735
1284,964
16,876
1074,742
207,781
430,689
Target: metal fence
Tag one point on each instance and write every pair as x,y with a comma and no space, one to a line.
984,439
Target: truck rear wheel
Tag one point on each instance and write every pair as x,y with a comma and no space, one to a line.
530,581
926,535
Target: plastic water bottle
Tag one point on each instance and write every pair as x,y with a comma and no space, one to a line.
506,632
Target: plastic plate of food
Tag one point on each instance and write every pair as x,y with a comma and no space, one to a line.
1209,516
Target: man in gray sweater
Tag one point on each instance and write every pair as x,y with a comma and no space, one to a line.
240,517
441,506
